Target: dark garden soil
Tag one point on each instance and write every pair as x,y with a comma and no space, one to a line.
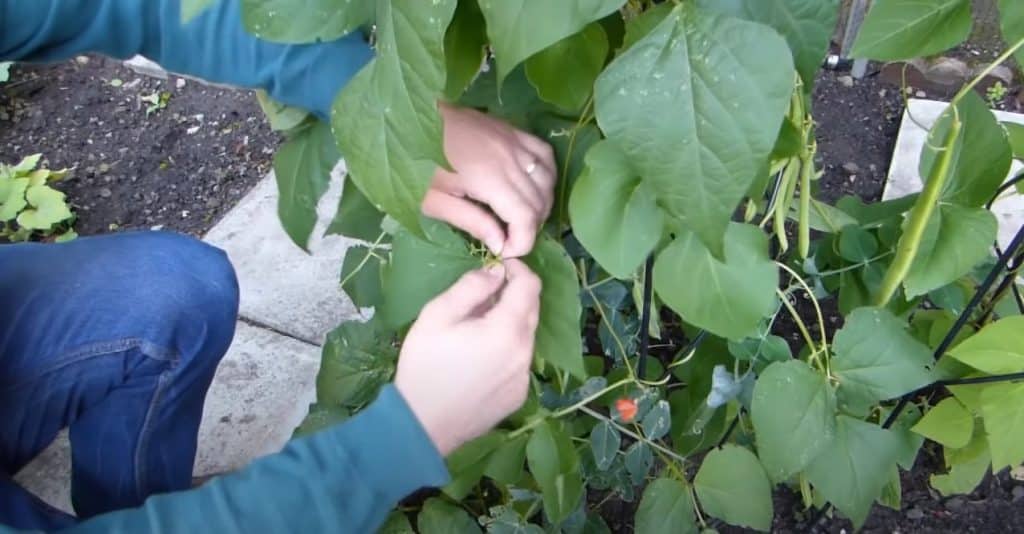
184,166
180,167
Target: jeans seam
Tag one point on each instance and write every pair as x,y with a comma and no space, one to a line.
144,434
103,348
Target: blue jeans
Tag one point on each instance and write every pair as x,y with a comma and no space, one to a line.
117,338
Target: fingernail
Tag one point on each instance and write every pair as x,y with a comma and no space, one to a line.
495,244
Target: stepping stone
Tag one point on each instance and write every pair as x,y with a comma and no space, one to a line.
261,392
283,287
904,178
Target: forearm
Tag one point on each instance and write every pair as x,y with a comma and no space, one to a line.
345,479
213,46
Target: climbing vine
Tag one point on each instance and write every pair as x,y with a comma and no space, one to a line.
685,234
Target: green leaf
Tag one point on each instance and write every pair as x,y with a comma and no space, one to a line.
555,465
421,269
465,45
982,156
728,299
638,461
614,213
439,517
638,28
1002,406
558,335
905,29
857,245
356,216
190,9
948,423
320,417
549,22
12,197
807,25
304,21
47,208
872,215
996,349
27,164
1015,135
505,465
876,358
282,118
658,421
855,466
468,463
396,523
564,73
386,119
696,105
604,443
571,145
358,358
666,508
1012,21
732,486
955,240
793,412
302,167
361,276
967,467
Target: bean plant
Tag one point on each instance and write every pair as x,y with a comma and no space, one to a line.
686,237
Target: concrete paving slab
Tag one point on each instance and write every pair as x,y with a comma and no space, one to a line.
261,392
905,179
281,286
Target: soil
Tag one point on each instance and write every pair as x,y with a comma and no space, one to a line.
180,167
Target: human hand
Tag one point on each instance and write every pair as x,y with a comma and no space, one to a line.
465,364
509,171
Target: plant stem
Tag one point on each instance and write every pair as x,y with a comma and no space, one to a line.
814,300
920,214
369,254
581,405
633,435
796,318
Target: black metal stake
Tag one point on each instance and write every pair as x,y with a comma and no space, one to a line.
645,318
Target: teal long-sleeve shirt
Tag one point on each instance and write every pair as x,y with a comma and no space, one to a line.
344,479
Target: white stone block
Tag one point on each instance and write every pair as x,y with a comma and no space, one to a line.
905,179
282,286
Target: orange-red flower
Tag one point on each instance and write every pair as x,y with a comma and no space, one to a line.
627,409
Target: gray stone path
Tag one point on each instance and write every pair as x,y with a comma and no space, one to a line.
905,179
263,387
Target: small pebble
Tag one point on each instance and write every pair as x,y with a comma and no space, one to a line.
105,192
851,168
847,81
915,513
920,94
1018,493
955,504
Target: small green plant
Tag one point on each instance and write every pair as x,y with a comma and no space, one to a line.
30,209
996,94
5,71
156,101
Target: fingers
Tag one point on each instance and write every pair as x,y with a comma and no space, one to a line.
466,216
519,303
522,218
471,292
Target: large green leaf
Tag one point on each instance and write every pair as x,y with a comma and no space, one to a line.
637,28
851,472
521,28
955,240
12,197
1012,18
386,119
555,466
728,299
46,207
356,216
696,105
564,73
876,358
1002,406
396,523
666,508
732,486
967,467
614,212
948,423
793,412
996,349
465,45
361,276
905,29
421,269
439,517
983,154
1015,134
558,333
304,21
302,167
468,463
571,143
358,358
807,25
505,464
